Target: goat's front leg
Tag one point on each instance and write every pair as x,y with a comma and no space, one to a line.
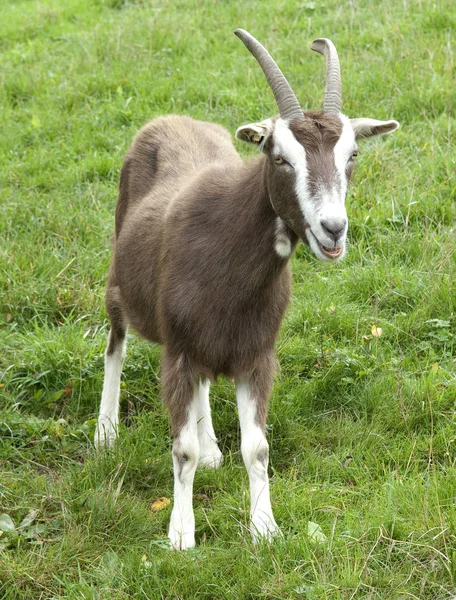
181,391
185,460
252,405
210,455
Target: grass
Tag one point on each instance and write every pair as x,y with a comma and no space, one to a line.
362,428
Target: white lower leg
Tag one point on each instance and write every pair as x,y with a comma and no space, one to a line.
108,418
185,460
210,455
255,452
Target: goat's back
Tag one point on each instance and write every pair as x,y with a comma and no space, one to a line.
164,155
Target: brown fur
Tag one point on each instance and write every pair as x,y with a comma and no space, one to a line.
319,133
194,265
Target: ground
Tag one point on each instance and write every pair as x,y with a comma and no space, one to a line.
361,426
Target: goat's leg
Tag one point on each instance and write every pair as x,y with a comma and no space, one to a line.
108,419
252,397
210,455
181,393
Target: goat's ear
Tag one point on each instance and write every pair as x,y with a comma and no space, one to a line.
365,128
255,133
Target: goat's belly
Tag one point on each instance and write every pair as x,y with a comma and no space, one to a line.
146,326
140,309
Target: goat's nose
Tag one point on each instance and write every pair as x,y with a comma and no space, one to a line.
334,227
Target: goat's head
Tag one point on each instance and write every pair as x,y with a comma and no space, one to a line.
310,156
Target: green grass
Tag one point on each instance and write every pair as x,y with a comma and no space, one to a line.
362,429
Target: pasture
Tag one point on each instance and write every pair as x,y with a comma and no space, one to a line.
361,427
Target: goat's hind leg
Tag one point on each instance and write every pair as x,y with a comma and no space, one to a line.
180,391
108,419
210,455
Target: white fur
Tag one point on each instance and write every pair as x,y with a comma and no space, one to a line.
343,151
255,451
327,204
185,460
209,453
282,241
108,419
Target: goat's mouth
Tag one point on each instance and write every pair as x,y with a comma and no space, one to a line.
323,251
330,252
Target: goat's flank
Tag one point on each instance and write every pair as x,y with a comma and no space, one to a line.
201,265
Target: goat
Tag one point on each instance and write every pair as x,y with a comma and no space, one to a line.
201,264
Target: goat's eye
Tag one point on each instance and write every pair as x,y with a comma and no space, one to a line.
278,160
354,154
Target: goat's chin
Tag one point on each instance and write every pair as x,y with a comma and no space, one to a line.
322,252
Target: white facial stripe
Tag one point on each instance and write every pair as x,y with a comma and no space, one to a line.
287,145
293,152
343,150
326,205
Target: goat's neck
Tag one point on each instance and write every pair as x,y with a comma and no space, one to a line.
258,221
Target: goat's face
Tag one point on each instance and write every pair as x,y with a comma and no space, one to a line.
310,155
309,164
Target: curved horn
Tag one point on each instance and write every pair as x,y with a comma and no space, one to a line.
287,102
333,90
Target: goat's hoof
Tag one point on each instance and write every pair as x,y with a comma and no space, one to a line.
105,434
183,539
264,529
210,457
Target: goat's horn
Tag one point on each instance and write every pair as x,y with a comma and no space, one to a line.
286,100
333,90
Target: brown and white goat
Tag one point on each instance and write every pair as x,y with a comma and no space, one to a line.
201,264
